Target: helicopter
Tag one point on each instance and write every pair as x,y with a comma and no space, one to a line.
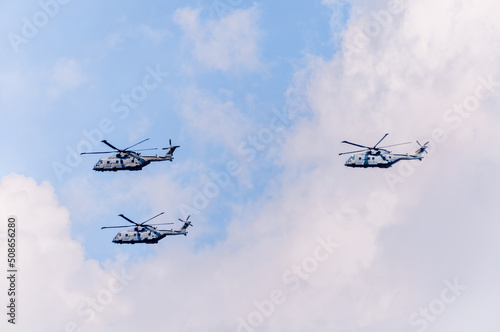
129,160
144,233
379,156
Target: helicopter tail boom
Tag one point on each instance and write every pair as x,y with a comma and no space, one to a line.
170,149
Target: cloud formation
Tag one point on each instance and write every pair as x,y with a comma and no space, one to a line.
230,43
65,75
53,272
326,248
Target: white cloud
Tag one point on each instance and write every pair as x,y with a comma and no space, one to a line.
65,75
52,269
126,31
401,79
396,247
155,35
212,119
230,43
10,82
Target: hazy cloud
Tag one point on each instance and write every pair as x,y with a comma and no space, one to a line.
230,43
65,75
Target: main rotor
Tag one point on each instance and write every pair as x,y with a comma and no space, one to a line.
374,149
125,151
139,225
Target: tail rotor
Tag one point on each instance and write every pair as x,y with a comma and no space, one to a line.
422,149
187,223
170,149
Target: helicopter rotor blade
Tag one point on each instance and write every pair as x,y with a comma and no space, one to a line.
172,148
423,148
424,143
159,214
387,146
110,145
100,152
361,146
164,223
186,221
375,146
127,219
353,151
104,227
119,150
143,150
144,140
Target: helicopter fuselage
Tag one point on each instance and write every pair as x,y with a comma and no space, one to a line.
127,161
145,235
381,159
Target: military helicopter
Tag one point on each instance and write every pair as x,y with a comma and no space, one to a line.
129,160
379,156
144,233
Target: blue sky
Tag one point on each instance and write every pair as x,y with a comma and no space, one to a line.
106,59
259,99
102,52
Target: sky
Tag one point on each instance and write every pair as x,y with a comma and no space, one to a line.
259,96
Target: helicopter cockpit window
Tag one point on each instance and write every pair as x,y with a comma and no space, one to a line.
351,158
